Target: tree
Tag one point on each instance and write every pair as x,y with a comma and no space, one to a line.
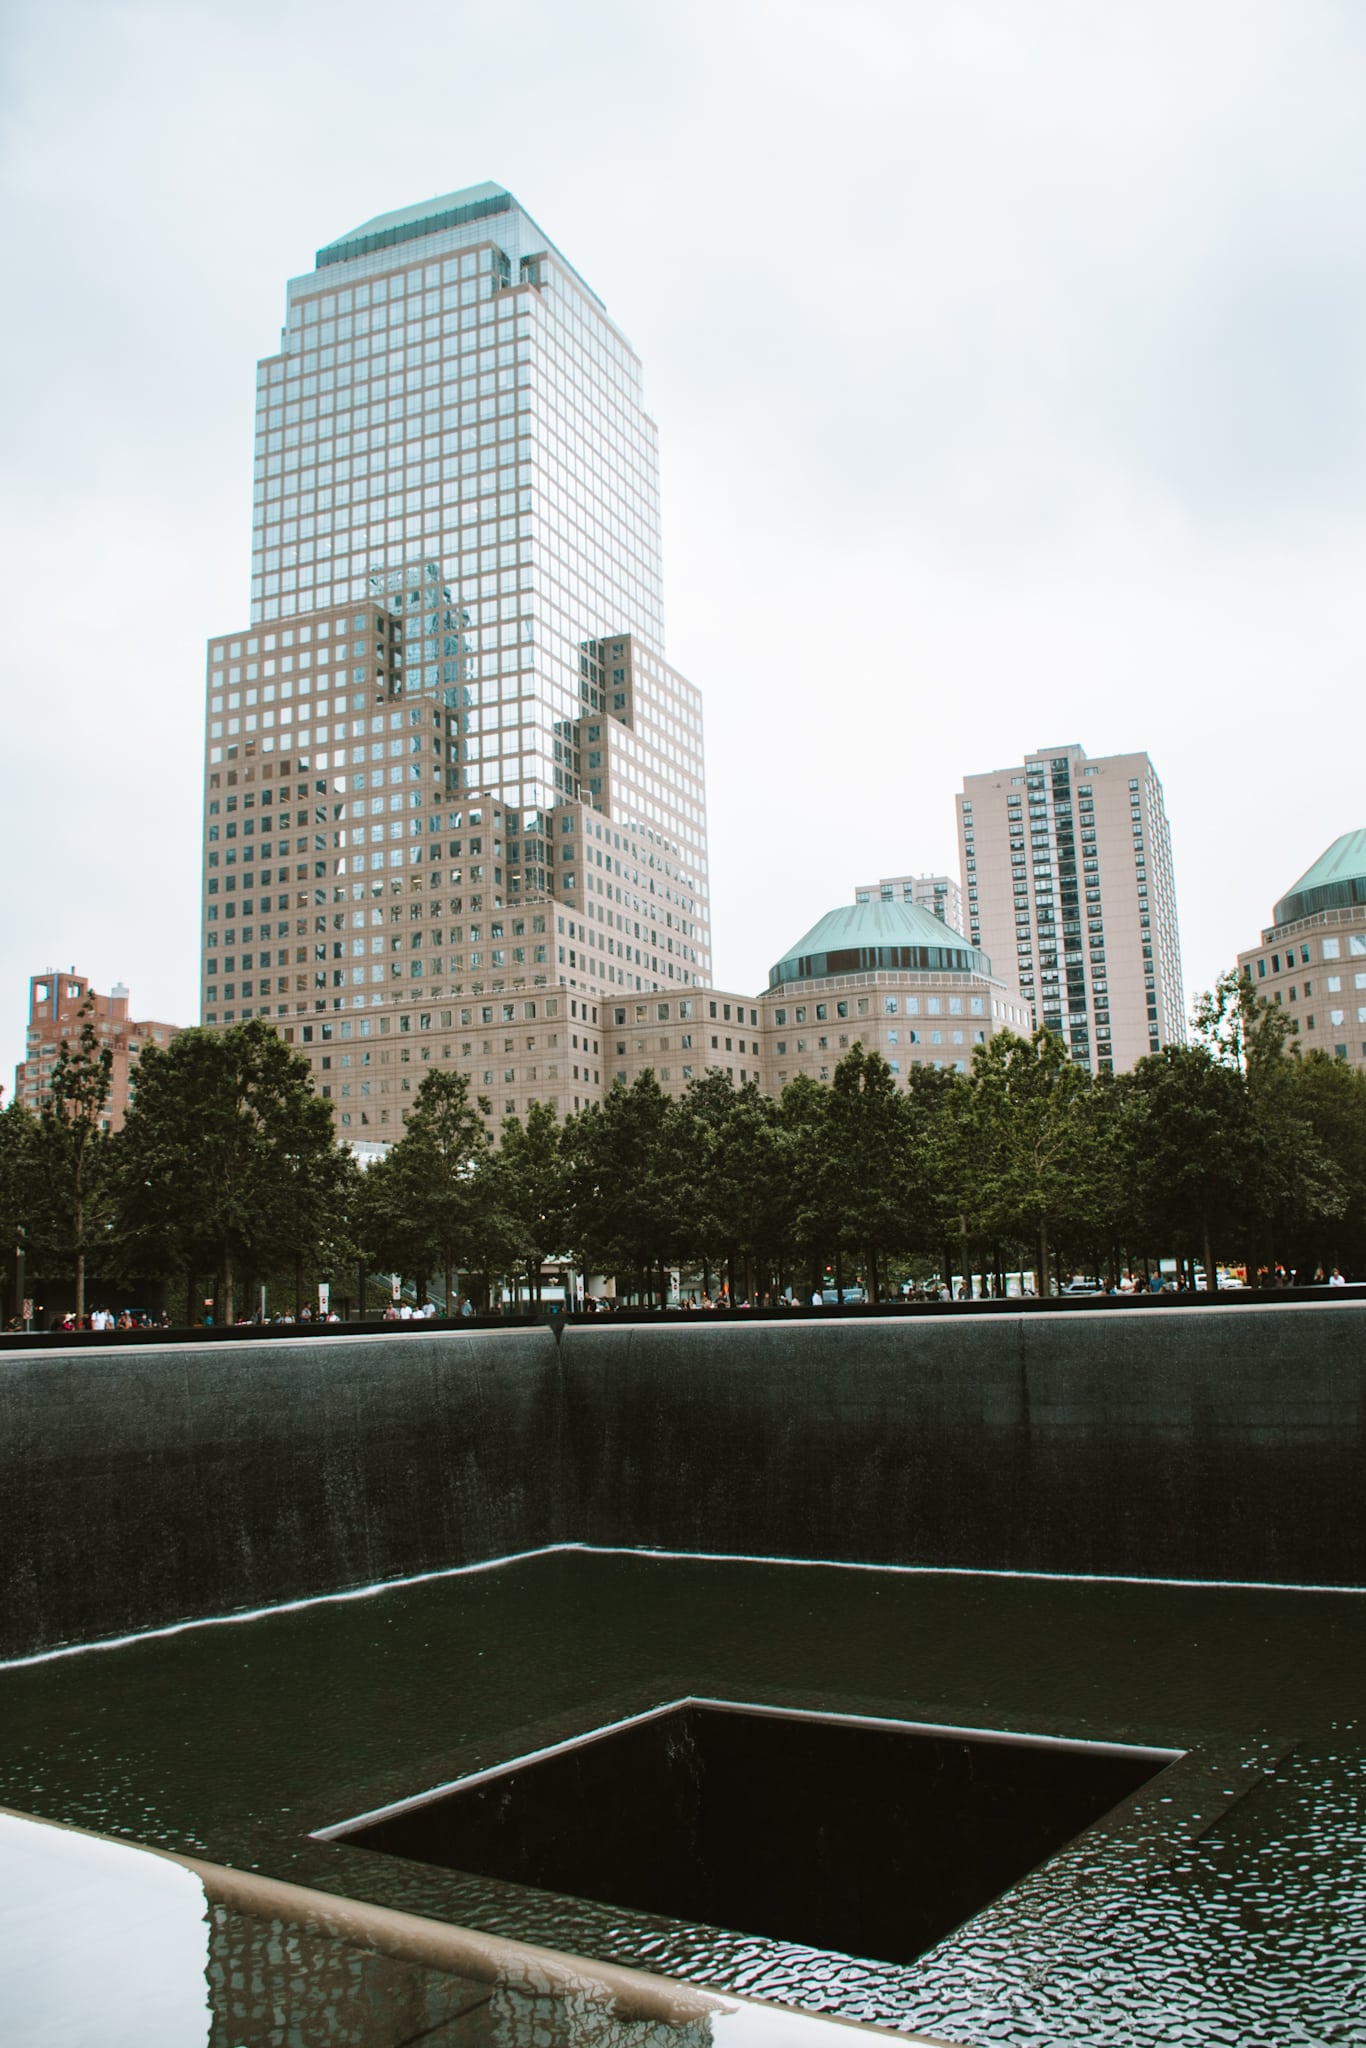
1189,1142
866,1157
18,1142
1291,1181
733,1182
1330,1097
816,1220
315,1181
227,1157
71,1184
1027,1140
525,1187
628,1158
426,1186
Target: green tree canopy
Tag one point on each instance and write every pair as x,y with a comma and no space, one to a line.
227,1157
418,1204
71,1184
1029,1141
524,1192
18,1148
1188,1138
628,1161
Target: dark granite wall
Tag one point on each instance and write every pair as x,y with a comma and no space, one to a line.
1205,1444
141,1486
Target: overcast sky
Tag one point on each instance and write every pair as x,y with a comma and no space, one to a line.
1008,359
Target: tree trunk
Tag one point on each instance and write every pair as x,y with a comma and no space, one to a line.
298,1284
229,1306
1042,1277
450,1285
189,1297
80,1285
1211,1281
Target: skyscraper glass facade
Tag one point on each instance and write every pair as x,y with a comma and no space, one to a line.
447,760
449,389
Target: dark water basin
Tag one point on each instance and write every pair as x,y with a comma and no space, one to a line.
835,1831
1223,1901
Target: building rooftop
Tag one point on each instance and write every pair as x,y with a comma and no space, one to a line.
431,217
1336,881
859,938
473,202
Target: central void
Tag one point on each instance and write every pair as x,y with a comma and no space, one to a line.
874,1838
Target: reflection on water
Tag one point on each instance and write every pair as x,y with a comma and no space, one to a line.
276,1983
102,1943
98,1943
1229,1910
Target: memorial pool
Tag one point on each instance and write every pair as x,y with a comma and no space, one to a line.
1226,1901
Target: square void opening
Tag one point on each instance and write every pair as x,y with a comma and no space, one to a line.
874,1838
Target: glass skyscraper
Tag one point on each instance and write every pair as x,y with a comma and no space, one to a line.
456,615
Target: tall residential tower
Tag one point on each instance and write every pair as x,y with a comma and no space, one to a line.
1067,872
447,761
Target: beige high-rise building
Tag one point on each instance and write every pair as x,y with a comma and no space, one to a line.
1067,874
454,800
59,1007
454,794
939,894
1312,958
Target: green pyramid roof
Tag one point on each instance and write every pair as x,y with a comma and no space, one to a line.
856,938
1336,881
410,223
424,210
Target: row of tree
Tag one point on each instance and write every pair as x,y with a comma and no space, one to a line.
227,1172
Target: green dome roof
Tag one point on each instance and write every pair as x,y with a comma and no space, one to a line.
1336,881
858,938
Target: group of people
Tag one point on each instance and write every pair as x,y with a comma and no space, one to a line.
1129,1282
100,1319
1276,1276
422,1311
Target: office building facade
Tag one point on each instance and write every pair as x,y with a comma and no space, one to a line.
448,768
883,973
1068,885
1312,956
59,1007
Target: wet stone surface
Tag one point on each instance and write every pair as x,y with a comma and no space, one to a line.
1225,1902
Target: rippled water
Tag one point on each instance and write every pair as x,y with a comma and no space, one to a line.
1225,1904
